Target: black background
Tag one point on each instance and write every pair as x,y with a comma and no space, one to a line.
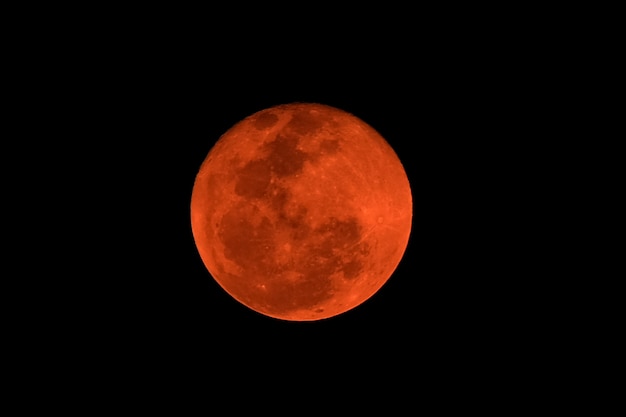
141,106
452,294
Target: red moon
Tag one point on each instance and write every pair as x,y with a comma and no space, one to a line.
301,211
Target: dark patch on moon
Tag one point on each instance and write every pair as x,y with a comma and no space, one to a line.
284,156
278,197
283,296
281,159
245,243
352,269
265,120
340,233
253,179
294,216
288,213
329,146
217,262
335,247
305,122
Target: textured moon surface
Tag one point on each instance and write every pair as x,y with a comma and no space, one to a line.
301,211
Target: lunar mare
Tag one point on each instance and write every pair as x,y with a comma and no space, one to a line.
301,211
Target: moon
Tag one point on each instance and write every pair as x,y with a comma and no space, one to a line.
301,211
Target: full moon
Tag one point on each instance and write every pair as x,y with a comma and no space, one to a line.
301,211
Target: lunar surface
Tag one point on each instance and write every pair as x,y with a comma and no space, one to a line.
301,211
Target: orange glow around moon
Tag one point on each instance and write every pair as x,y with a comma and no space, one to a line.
301,211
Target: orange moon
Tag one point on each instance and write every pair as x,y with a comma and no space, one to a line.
301,211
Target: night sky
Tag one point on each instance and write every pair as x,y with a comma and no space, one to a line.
117,107
457,298
441,294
